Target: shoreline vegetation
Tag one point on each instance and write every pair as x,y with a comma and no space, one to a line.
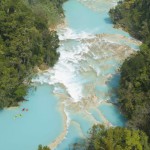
118,138
134,91
26,42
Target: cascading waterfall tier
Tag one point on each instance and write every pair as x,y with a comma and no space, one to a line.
79,90
87,73
81,77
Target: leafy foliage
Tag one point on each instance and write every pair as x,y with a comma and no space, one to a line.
25,41
134,91
47,9
43,147
134,17
117,138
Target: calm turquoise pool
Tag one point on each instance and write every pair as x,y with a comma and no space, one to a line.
35,126
83,80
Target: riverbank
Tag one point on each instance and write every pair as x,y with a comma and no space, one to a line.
134,87
79,84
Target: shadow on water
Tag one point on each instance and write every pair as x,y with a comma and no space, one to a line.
80,144
114,81
31,91
113,85
108,20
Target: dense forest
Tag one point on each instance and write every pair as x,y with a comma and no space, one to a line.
134,90
117,138
25,41
50,10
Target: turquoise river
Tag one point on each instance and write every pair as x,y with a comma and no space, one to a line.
79,90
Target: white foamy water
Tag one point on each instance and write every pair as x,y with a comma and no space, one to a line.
66,70
87,71
85,62
81,84
68,34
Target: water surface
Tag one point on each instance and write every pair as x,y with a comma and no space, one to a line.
83,80
35,126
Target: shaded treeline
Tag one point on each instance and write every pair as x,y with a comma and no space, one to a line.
25,41
134,90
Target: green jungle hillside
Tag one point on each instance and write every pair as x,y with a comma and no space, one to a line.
25,42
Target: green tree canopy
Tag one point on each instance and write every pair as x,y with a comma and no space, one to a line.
116,138
25,42
43,148
134,90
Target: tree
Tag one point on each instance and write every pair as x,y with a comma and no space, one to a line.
134,90
116,138
43,148
25,42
